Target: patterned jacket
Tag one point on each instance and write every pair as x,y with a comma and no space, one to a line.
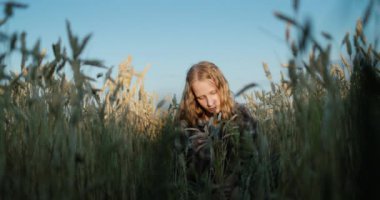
229,150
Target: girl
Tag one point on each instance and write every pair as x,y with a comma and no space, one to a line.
216,128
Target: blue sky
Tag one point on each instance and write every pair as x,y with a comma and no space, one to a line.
171,35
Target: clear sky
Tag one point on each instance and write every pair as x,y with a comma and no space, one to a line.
171,35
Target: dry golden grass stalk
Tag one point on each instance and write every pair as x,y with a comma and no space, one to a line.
125,98
337,71
346,64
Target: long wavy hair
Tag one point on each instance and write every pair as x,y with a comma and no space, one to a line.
189,109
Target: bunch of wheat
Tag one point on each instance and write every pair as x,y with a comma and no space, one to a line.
126,99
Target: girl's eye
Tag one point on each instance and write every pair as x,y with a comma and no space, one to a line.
200,98
213,92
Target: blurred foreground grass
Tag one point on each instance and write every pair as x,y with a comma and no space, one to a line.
64,139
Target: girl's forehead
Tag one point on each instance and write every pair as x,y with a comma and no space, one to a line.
205,82
201,88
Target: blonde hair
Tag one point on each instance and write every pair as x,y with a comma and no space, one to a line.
189,108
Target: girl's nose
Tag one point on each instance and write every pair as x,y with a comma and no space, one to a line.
210,102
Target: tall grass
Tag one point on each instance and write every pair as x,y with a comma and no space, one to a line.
65,139
321,124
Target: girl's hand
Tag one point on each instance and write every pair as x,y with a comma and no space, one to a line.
199,141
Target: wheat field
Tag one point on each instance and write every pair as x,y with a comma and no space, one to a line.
65,139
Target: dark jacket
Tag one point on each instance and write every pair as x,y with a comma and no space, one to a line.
229,151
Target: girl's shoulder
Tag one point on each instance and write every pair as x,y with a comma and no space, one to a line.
243,112
245,119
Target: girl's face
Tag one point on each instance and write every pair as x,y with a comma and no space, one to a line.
206,94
